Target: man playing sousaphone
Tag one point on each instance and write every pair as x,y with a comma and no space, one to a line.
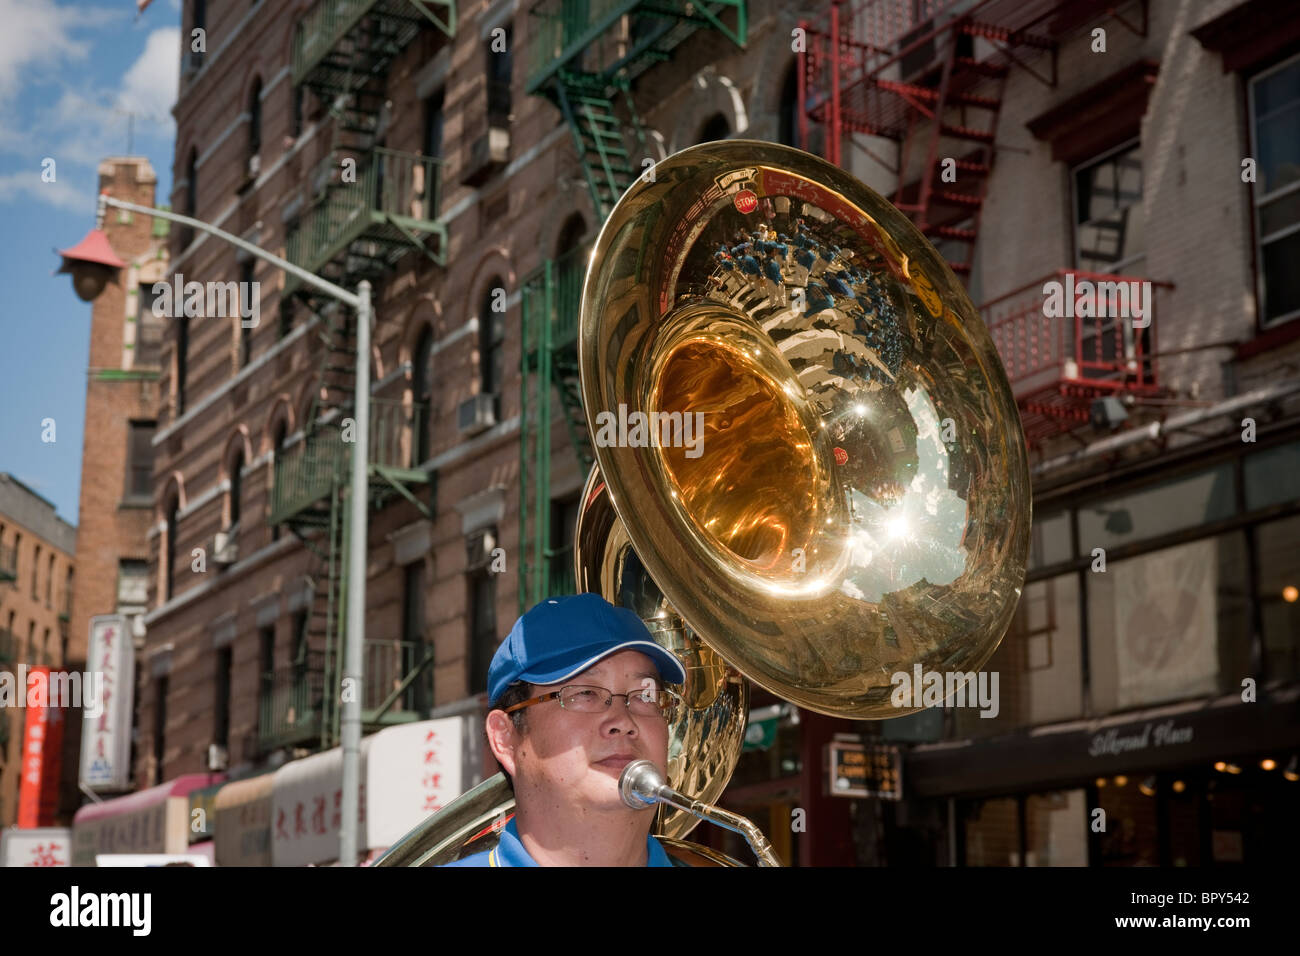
577,694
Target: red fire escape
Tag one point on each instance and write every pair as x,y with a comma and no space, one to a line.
930,75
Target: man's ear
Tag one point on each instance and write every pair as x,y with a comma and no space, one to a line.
503,738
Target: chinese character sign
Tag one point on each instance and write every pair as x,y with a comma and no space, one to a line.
42,746
106,735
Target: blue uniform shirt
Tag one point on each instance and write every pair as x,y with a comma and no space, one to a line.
509,851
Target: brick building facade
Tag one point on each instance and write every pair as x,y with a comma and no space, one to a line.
37,561
477,187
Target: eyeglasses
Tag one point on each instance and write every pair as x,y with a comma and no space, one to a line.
584,699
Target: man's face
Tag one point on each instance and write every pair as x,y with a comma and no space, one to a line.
565,758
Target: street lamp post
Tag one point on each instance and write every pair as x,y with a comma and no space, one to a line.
88,275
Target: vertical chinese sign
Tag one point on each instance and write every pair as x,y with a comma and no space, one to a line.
38,789
106,730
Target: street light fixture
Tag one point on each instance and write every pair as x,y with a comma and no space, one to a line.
92,264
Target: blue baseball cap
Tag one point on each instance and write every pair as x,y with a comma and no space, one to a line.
563,636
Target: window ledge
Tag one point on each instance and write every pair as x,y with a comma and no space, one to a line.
135,502
1270,338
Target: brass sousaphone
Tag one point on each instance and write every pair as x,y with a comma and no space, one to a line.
810,467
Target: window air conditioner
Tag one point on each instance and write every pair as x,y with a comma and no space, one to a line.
476,414
225,548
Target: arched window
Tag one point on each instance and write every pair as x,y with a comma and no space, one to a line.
492,342
236,486
422,392
173,531
255,118
281,435
715,128
571,269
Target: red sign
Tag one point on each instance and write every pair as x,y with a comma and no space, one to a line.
746,201
38,790
841,456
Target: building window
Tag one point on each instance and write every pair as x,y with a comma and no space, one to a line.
281,433
236,487
246,288
715,128
255,119
45,648
301,647
31,642
132,586
433,125
221,715
492,341
422,392
190,203
1108,231
419,696
18,557
564,521
788,123
139,460
36,567
1275,133
295,123
159,726
182,361
499,69
285,309
49,584
1278,561
482,628
173,532
148,329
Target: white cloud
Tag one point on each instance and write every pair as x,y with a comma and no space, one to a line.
28,185
36,37
149,86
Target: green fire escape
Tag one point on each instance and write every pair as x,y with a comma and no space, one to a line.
370,208
583,56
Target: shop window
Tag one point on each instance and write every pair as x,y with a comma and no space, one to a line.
992,832
1130,837
1275,133
1049,541
1272,476
1278,563
1169,625
1108,212
1056,829
1172,506
1039,664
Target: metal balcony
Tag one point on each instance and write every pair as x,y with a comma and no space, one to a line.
586,36
1057,364
289,708
308,472
369,216
340,44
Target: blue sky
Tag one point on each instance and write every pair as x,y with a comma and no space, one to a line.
70,72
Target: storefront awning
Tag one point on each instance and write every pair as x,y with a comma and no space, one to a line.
151,821
1158,738
408,772
243,822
